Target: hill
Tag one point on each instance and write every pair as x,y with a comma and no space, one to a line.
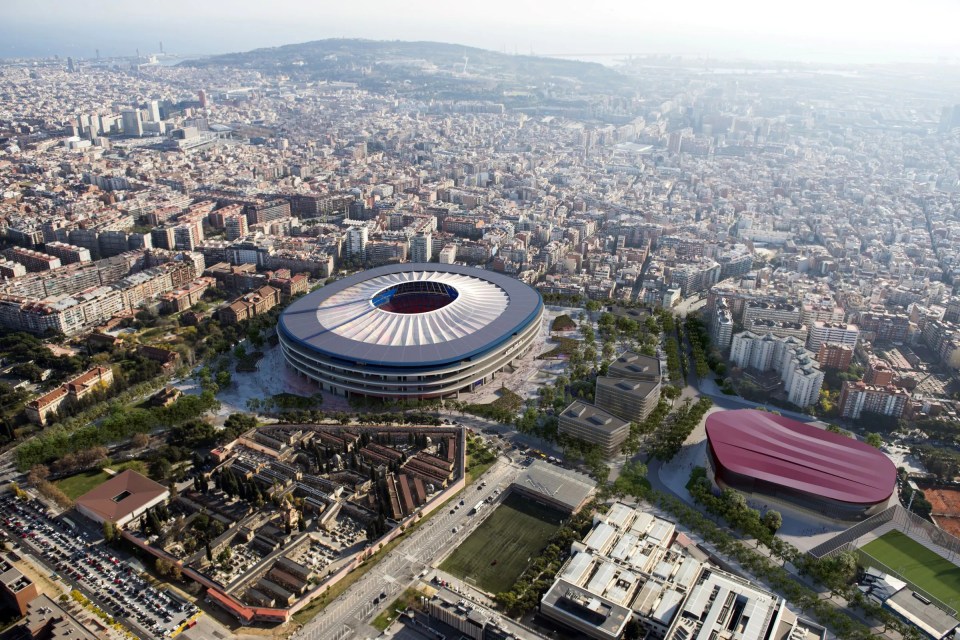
437,70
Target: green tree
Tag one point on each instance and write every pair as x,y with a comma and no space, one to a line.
772,520
109,531
874,440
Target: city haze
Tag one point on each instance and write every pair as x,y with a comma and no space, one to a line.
818,31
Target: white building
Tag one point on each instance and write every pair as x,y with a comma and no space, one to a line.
448,255
798,368
834,333
357,242
421,247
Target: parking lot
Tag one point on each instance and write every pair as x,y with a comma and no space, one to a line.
94,570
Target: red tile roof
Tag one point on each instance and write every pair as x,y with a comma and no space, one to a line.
102,500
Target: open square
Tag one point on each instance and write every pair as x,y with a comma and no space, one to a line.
927,570
495,555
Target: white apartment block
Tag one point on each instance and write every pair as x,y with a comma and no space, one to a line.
834,333
799,371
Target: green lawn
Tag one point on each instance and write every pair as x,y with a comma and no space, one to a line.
137,465
504,544
76,486
917,564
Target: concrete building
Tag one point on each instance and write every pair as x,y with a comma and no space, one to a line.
46,620
721,327
16,589
799,371
835,356
472,620
33,260
11,269
635,366
235,226
448,255
594,425
633,565
834,333
67,253
860,397
421,247
630,400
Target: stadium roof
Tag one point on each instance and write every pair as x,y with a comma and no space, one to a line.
121,495
801,457
348,319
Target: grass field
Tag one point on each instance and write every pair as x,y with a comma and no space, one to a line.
76,486
927,570
501,547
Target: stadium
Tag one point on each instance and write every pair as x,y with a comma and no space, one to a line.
410,331
796,463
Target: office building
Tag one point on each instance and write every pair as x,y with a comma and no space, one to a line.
594,425
627,399
635,366
448,255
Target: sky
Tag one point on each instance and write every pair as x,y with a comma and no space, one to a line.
820,31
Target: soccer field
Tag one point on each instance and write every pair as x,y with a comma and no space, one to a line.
917,564
495,555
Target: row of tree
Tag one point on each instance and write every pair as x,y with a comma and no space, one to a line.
669,438
121,423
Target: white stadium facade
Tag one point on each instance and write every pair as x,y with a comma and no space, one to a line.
410,330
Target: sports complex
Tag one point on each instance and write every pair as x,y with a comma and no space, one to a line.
782,459
410,330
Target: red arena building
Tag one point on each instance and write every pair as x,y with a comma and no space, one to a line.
774,457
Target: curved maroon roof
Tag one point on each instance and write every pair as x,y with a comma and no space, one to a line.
799,456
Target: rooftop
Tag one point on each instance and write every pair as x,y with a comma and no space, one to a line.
799,456
121,495
570,488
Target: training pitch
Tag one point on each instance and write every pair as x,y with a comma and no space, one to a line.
917,564
495,555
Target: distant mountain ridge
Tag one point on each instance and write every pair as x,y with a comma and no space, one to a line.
425,66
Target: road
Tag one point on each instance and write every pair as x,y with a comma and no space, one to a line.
348,615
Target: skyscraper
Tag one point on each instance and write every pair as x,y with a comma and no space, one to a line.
153,108
203,98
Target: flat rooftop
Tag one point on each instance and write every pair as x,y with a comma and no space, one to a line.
557,484
593,417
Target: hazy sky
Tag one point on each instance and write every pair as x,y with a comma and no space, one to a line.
808,30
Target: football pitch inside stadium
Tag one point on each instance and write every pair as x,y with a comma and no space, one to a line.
925,569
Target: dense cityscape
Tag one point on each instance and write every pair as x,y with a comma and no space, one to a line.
356,339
